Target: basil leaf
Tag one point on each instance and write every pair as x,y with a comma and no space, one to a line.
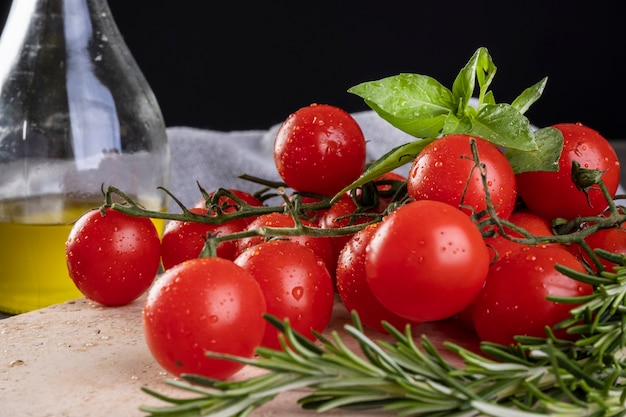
414,103
455,125
529,96
545,158
395,158
489,98
505,126
479,67
465,81
485,72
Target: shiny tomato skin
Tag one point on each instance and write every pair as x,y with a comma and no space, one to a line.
319,149
513,300
182,241
353,288
296,285
204,304
426,261
322,246
553,194
441,171
114,258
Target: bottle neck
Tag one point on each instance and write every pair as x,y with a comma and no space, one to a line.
34,26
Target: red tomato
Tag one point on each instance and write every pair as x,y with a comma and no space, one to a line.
205,304
553,194
445,171
182,241
114,258
322,246
426,261
352,285
503,247
319,149
513,301
296,284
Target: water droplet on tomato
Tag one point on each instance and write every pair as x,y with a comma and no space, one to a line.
297,292
213,318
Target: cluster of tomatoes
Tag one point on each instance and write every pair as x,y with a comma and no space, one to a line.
406,250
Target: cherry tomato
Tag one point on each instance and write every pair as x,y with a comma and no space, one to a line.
205,304
296,284
322,246
320,149
112,258
445,171
426,261
352,285
502,247
553,194
182,241
513,300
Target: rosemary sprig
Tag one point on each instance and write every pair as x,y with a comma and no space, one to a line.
536,377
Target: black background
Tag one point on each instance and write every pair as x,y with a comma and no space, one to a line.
247,65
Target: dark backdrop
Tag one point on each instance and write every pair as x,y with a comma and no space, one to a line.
247,65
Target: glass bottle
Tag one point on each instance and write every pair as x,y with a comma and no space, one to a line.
76,113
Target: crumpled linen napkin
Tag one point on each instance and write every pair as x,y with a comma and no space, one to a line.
215,159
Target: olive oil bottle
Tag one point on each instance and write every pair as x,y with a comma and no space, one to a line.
76,115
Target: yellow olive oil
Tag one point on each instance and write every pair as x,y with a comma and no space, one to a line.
32,255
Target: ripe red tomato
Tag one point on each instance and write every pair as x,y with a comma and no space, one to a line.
296,285
320,149
352,285
441,172
426,261
322,246
114,258
182,241
503,247
205,304
553,194
513,300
